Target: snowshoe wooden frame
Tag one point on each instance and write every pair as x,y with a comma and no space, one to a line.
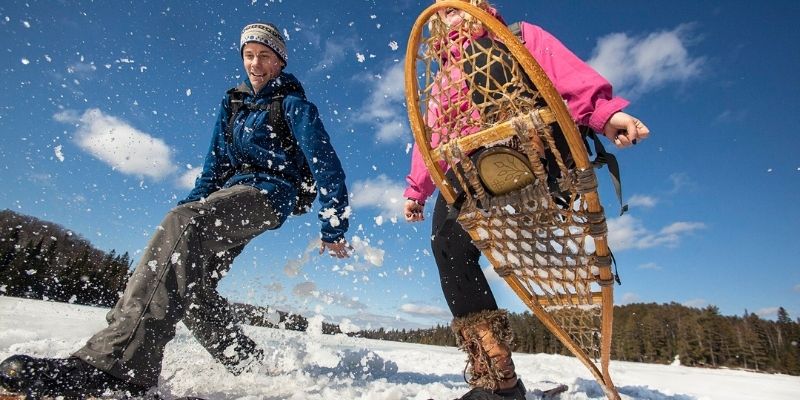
553,254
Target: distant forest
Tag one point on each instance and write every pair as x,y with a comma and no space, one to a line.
42,260
658,333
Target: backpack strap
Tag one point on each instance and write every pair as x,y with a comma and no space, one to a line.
273,107
235,104
604,158
277,120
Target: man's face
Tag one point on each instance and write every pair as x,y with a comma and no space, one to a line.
261,64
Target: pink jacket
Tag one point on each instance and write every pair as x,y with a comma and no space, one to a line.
588,96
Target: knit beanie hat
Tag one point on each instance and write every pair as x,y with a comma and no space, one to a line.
266,34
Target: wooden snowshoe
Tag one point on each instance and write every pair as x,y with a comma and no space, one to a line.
479,103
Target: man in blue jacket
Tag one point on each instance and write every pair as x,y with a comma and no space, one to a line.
266,139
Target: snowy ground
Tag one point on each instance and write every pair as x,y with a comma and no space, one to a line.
315,366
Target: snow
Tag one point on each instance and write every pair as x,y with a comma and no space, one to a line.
316,366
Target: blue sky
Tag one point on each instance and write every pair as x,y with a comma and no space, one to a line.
107,110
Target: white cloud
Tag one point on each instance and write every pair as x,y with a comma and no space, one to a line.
628,298
334,52
731,116
363,249
642,201
678,228
41,179
81,68
679,182
651,266
636,65
381,193
385,107
797,288
424,310
627,232
309,289
768,312
304,289
119,144
292,267
187,179
696,303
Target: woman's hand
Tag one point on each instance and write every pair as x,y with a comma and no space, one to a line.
625,130
413,211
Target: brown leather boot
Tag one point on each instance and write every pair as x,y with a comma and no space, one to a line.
485,337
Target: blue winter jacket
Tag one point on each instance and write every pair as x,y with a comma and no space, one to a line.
254,144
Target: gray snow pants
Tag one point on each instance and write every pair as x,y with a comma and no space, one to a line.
176,279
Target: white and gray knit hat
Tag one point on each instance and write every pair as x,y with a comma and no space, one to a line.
266,34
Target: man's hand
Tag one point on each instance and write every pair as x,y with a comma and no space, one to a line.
625,130
340,249
413,211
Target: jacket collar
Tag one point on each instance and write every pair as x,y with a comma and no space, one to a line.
273,85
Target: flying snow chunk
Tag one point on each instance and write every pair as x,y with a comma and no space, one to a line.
393,45
25,61
347,326
26,23
59,153
360,57
188,92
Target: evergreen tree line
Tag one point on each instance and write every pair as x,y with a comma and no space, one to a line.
658,333
270,318
42,260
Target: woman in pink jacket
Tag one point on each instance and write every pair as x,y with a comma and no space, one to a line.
481,329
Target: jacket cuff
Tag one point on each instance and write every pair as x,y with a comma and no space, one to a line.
332,238
412,194
603,112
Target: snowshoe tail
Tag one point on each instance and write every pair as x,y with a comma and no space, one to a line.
554,393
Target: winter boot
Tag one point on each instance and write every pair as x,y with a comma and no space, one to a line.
67,377
486,337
